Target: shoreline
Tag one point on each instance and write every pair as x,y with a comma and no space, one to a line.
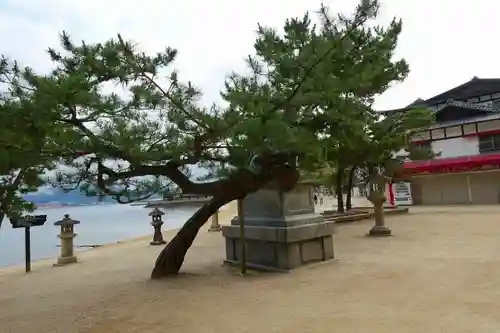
85,253
38,263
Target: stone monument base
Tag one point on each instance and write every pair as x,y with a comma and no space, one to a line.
380,231
160,242
281,248
215,229
63,261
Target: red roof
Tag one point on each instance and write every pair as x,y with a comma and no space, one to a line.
462,162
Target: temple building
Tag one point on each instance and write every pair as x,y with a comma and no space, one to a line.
466,139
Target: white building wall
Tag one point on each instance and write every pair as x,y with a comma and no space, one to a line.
459,146
463,146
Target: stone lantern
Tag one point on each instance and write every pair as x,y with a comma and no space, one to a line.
156,222
66,235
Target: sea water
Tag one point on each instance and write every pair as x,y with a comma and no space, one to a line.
99,224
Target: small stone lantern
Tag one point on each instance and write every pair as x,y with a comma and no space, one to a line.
215,226
67,235
156,222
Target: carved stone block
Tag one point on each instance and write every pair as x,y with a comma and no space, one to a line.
282,230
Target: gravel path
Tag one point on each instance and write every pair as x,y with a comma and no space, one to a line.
440,273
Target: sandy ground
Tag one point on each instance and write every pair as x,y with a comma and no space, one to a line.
440,273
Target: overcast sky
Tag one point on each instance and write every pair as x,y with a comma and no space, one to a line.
445,42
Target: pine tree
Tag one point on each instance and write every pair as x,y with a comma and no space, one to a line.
131,146
369,69
26,149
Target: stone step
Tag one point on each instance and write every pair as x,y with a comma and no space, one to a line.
360,213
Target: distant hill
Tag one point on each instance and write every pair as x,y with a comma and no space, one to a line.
58,196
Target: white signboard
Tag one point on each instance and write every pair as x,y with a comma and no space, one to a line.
402,194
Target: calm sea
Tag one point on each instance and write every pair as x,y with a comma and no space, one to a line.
99,224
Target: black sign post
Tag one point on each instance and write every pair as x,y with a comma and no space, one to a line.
27,222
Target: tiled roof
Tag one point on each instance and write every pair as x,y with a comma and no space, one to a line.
479,118
452,103
467,105
417,102
472,88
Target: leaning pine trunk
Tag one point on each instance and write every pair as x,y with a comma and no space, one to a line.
171,258
338,190
350,181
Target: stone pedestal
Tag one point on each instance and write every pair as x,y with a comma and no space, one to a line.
282,230
157,236
214,225
380,231
67,255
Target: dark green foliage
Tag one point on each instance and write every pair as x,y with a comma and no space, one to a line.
26,153
343,118
134,144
